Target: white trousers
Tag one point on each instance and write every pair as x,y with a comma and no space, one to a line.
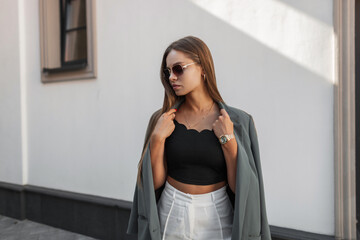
195,216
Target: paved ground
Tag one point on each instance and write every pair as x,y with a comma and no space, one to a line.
14,229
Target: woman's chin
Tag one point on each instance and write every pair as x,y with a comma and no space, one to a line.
180,93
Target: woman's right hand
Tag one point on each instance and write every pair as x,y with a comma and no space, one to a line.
164,126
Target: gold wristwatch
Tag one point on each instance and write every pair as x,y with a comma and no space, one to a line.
225,138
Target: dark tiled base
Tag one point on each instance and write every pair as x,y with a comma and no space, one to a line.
13,229
278,233
93,216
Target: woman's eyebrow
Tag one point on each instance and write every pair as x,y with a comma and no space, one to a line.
176,63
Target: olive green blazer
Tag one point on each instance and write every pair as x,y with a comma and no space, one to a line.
250,220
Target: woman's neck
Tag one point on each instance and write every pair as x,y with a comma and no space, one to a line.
198,104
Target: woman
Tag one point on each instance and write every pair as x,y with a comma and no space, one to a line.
193,153
197,166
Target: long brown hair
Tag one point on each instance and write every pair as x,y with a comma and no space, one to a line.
195,49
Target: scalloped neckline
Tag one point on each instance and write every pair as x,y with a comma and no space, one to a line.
192,129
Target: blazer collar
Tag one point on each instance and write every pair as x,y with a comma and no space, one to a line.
181,100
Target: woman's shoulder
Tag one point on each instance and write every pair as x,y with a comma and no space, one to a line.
238,115
242,120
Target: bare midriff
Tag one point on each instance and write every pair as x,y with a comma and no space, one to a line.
194,189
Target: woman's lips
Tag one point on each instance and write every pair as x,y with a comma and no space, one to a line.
176,87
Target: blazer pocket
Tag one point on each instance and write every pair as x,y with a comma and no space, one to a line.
254,237
142,218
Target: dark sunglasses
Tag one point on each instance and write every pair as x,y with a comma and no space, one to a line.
178,70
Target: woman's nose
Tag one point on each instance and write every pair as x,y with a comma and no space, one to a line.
172,76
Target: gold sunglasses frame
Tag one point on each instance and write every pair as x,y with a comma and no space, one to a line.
183,67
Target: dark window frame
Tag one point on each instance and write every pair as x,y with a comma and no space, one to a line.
67,65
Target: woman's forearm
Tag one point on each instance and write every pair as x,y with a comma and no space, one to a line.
230,154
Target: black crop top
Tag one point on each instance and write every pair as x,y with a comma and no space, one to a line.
194,157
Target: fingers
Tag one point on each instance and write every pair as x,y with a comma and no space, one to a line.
171,113
224,113
173,110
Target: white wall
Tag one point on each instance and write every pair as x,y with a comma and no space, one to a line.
10,94
273,59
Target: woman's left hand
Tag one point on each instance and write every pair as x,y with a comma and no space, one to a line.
223,124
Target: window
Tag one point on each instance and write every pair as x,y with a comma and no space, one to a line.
67,33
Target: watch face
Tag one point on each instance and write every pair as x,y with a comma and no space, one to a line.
223,139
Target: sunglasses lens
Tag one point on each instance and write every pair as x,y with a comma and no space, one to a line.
177,70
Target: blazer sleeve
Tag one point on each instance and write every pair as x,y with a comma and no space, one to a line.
265,229
137,221
134,214
133,219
